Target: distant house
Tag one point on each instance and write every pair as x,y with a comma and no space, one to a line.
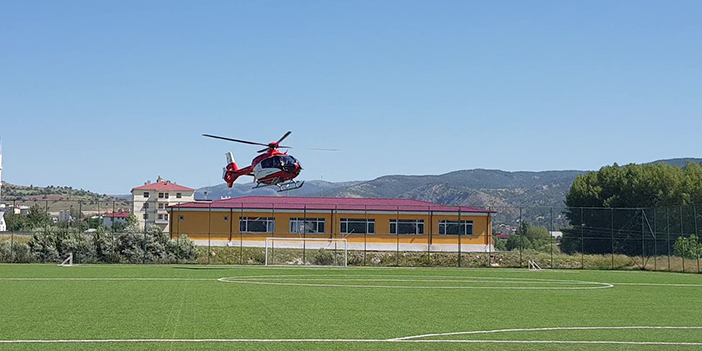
502,236
111,219
151,200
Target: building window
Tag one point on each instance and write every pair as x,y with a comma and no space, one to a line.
407,226
357,226
146,194
257,225
146,216
309,225
161,206
179,195
160,195
160,216
165,217
165,195
455,227
146,205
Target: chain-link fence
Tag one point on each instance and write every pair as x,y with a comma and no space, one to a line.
662,239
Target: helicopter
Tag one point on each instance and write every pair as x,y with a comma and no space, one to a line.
271,167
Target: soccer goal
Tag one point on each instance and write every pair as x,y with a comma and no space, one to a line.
533,266
68,262
306,252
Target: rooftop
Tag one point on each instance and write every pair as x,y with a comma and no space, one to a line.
164,185
329,203
119,214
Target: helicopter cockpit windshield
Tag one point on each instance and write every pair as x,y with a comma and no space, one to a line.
284,162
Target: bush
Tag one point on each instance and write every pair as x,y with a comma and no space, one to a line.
151,246
323,257
15,252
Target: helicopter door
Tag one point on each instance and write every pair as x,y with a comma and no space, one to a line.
267,167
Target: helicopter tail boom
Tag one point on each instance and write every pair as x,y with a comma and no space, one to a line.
231,171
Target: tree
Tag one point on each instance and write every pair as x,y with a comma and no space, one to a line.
15,222
612,209
529,237
37,217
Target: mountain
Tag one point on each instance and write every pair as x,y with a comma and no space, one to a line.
679,162
312,188
477,187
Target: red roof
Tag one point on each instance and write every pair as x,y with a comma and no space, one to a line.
119,214
162,186
329,203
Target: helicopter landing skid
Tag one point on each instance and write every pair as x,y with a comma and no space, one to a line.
291,185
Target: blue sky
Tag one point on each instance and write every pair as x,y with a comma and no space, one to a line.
103,95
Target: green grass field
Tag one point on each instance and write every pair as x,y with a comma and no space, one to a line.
143,307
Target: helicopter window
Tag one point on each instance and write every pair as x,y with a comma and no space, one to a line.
272,162
257,225
357,226
309,225
407,227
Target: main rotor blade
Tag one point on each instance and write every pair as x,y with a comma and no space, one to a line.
318,149
283,138
234,140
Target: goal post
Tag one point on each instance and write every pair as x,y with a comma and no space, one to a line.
306,251
533,266
68,262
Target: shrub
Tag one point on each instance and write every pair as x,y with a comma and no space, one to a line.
323,257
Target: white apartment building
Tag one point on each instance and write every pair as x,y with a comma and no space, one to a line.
151,200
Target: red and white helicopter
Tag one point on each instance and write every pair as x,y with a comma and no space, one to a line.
272,167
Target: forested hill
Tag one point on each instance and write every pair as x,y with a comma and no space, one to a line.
477,187
679,162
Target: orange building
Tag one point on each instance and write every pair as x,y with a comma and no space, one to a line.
369,224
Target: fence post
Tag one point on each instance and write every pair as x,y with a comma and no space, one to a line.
397,236
551,236
611,228
682,234
643,243
365,233
582,239
655,242
12,235
491,236
520,237
459,236
697,249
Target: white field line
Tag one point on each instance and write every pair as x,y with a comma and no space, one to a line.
566,342
260,280
662,285
408,339
495,331
107,279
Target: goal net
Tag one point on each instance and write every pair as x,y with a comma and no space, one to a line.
306,252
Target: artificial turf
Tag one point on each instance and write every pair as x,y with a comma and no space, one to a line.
366,306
